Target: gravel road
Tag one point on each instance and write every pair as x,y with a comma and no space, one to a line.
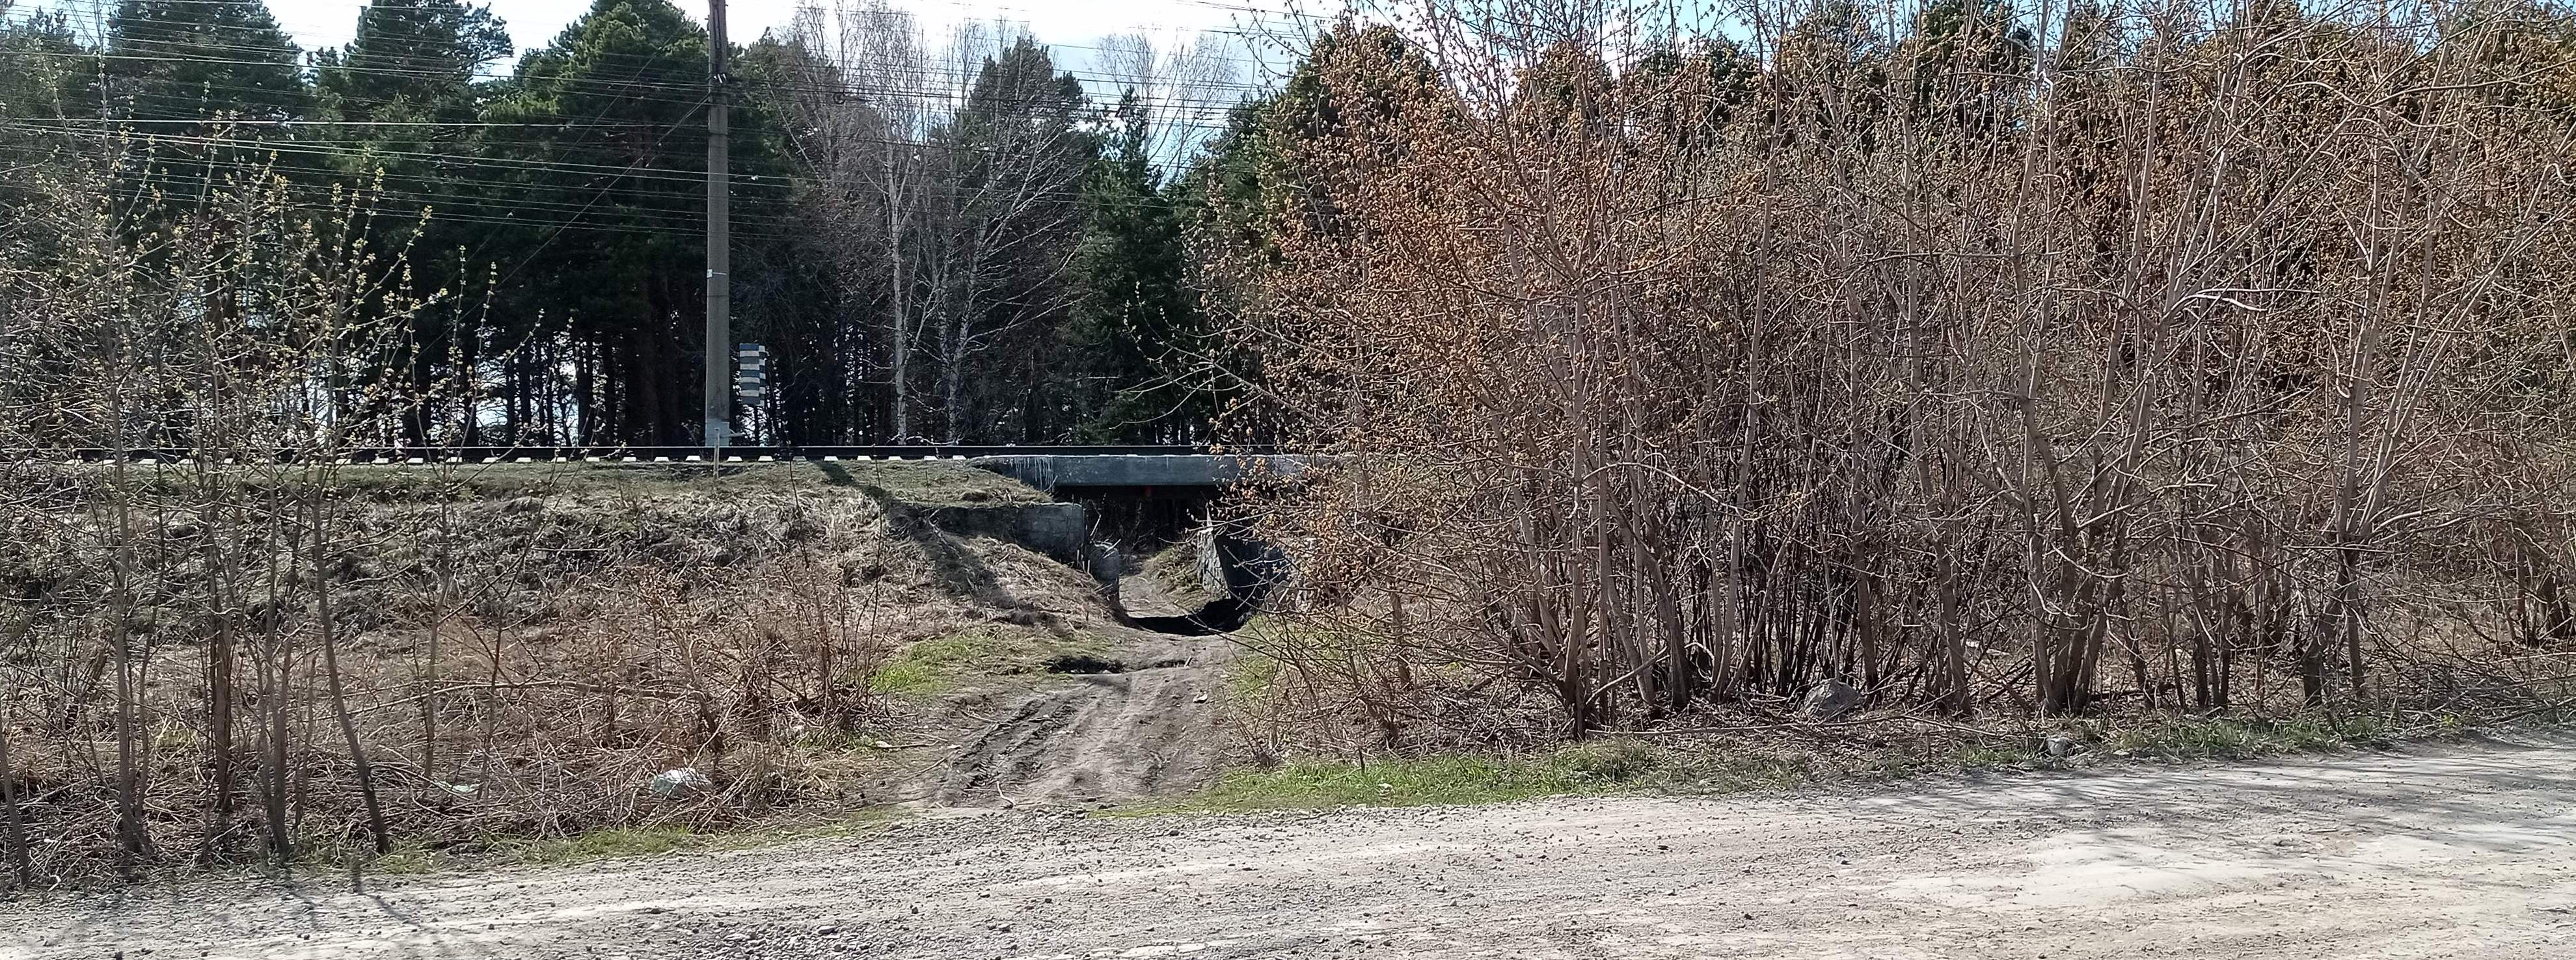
2455,850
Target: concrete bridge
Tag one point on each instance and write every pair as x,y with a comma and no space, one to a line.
1138,471
1129,500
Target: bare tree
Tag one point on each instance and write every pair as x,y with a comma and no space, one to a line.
1187,86
959,165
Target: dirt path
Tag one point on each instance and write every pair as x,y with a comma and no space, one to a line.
1149,730
2461,850
1145,596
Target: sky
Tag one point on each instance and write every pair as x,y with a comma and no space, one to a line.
327,23
1074,26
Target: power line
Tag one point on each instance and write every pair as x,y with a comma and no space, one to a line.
365,151
938,85
291,124
184,51
352,150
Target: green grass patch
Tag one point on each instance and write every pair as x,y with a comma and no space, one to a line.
906,674
941,663
1176,569
2234,738
1618,765
613,843
608,844
1992,758
1250,676
1606,766
416,857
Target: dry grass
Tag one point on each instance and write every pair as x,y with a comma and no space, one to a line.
922,483
1175,569
566,632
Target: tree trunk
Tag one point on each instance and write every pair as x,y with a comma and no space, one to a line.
322,576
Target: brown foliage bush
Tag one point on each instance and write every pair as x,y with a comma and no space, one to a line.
2038,357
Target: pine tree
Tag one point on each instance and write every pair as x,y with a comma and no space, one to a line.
790,290
44,72
413,61
202,59
1132,318
47,86
203,84
601,285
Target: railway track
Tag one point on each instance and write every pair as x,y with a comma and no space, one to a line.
421,456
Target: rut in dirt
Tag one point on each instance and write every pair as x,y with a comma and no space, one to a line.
1142,723
1103,738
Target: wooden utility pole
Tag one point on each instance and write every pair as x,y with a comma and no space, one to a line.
719,353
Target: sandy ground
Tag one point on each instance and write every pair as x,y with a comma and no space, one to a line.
2453,850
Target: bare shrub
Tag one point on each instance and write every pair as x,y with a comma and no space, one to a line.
2041,358
221,643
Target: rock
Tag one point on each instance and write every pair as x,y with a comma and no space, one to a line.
678,783
1829,700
